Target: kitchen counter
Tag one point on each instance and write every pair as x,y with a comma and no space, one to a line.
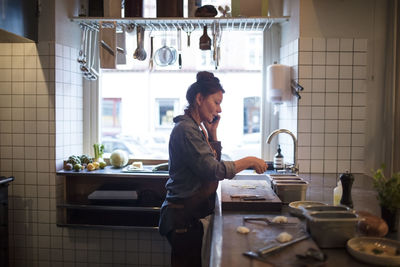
111,198
227,245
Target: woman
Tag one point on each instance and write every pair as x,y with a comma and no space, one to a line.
195,167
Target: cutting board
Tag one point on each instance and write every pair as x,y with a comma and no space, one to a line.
260,188
262,234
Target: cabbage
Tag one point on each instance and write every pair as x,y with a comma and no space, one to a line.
119,158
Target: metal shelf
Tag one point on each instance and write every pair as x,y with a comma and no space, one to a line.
173,24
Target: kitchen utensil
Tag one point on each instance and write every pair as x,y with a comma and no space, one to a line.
273,247
140,53
107,47
188,29
266,220
216,34
107,34
83,41
151,53
179,41
165,55
205,40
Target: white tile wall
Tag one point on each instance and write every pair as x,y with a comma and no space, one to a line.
289,113
40,125
333,105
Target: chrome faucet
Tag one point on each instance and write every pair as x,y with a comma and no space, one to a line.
294,168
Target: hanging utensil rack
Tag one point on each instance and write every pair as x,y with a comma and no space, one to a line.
173,24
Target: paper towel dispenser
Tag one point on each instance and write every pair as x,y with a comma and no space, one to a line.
18,21
278,83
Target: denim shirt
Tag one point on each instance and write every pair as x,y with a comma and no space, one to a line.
191,162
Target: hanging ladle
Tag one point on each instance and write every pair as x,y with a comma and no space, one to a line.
140,53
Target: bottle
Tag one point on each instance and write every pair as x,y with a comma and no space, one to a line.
205,41
278,159
337,193
347,180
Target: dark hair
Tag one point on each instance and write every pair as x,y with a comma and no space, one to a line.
206,84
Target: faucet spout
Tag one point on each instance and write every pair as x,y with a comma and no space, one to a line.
278,131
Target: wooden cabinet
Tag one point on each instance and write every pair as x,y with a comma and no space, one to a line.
110,198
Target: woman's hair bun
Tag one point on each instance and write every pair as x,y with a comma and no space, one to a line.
204,76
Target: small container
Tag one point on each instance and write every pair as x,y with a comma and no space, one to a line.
325,208
289,191
337,193
279,160
287,181
331,229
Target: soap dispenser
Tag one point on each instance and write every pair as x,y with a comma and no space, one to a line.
278,160
337,193
347,180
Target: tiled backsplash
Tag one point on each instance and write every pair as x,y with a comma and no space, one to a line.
288,111
40,125
331,112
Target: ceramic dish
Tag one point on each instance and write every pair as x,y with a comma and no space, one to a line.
375,250
294,207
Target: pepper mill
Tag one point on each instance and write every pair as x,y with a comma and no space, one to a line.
347,180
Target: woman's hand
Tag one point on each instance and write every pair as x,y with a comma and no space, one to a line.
212,128
259,165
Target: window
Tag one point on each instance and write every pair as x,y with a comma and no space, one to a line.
251,112
166,110
110,116
149,99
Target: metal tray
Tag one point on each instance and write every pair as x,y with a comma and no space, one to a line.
331,229
289,191
327,208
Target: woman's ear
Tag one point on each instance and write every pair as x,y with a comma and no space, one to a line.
199,99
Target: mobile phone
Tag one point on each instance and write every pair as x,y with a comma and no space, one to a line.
215,119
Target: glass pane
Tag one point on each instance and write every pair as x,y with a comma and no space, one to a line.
138,105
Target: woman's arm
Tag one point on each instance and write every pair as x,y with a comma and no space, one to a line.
255,163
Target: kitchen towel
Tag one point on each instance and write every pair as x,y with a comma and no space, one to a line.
107,44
